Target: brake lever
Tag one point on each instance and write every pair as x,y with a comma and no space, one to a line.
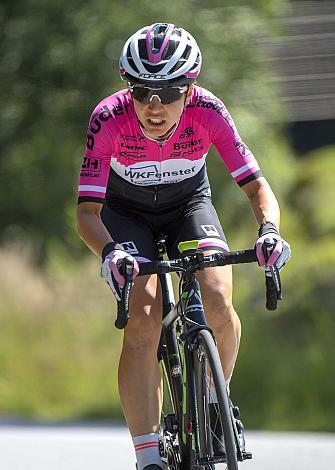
269,245
273,284
126,269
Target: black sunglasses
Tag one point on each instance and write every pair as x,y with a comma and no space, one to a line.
166,95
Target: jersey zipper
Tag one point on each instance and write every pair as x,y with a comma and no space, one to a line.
154,204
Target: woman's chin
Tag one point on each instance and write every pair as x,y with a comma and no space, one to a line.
156,132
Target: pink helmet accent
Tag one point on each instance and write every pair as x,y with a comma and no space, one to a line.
156,57
192,74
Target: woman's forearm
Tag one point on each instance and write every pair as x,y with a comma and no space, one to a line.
263,202
92,230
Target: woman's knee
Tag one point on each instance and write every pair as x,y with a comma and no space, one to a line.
216,288
143,329
217,304
220,314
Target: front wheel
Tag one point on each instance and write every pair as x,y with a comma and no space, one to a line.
216,434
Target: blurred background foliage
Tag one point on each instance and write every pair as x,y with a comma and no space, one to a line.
58,347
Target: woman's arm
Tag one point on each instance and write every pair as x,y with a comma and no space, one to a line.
91,228
263,202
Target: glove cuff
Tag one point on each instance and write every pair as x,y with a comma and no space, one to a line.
267,227
110,246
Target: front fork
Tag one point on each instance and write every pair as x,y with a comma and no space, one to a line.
193,321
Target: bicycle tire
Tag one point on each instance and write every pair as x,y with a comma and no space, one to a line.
207,362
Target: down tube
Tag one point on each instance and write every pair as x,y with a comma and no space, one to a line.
173,366
191,421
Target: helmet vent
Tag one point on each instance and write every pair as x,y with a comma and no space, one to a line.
159,36
143,49
154,68
170,50
179,64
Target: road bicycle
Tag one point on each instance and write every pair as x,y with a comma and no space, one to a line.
200,427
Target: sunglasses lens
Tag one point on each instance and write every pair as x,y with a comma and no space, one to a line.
141,94
170,95
166,95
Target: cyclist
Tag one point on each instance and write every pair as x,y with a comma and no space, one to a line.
143,174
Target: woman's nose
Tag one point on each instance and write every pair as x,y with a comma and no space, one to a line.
155,103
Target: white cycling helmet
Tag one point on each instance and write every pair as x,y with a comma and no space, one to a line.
160,55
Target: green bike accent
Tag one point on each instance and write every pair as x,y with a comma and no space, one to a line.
173,356
167,407
188,245
184,295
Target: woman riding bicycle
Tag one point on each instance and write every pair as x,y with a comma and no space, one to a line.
144,173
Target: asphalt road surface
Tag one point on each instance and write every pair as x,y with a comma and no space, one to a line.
78,447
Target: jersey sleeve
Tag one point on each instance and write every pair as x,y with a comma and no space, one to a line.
96,163
236,155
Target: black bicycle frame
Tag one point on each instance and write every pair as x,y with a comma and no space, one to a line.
190,310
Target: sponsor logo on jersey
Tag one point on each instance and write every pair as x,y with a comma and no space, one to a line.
188,132
88,174
185,145
190,152
212,103
209,103
129,247
186,153
150,173
243,150
132,155
210,230
175,154
91,164
103,115
135,138
133,147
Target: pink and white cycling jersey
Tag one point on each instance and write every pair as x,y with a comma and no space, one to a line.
116,145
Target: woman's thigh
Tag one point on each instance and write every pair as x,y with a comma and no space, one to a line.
132,232
198,220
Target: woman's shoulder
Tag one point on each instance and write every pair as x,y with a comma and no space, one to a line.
203,99
117,104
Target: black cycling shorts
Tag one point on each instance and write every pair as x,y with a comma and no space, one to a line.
136,230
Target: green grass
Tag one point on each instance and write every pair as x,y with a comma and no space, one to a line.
59,348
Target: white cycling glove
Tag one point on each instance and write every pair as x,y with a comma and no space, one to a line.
281,252
112,256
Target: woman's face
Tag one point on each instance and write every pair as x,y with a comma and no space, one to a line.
158,118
